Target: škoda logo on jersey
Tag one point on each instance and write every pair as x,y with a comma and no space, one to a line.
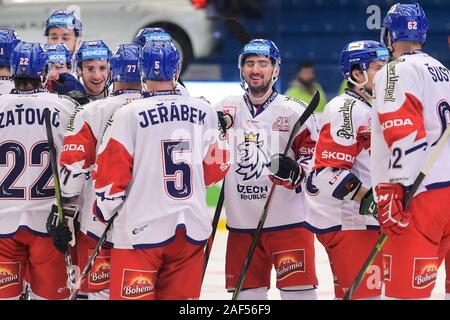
252,160
9,274
424,272
137,283
100,271
289,262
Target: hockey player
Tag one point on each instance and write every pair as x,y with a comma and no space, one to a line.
8,41
78,158
263,120
64,27
149,35
92,66
410,112
59,78
338,193
155,160
26,188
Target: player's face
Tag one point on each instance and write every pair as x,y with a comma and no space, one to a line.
55,69
5,72
61,35
257,71
94,74
374,67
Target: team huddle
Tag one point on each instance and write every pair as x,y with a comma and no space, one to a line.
127,216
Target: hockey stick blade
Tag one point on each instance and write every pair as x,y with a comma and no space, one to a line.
381,242
300,122
53,164
238,30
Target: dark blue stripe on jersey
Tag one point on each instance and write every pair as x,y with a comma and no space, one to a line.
415,148
277,228
26,228
31,91
126,91
106,244
262,107
320,231
438,185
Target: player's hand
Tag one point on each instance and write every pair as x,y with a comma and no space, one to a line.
368,205
225,121
393,220
285,171
63,234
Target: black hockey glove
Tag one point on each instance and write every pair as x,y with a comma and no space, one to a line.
368,205
63,234
225,121
286,171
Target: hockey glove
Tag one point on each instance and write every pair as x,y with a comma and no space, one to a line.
63,234
225,122
285,171
393,220
368,205
70,86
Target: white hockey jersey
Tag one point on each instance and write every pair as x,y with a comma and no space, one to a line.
6,85
411,111
344,143
79,153
154,162
253,140
26,184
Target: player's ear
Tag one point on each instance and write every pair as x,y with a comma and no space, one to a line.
276,72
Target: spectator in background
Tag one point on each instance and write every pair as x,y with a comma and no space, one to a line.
305,85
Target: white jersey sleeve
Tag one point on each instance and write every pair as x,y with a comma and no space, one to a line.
5,86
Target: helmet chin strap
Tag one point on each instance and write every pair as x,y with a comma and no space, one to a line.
360,86
254,99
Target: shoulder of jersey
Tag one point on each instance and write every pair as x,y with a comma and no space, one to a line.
232,100
68,99
293,103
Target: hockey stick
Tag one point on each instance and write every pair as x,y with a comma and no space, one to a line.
70,269
92,258
305,115
381,242
238,30
215,223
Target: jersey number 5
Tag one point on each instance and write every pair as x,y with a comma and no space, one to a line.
176,170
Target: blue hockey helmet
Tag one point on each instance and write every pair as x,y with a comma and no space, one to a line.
361,53
28,60
64,19
58,53
161,61
146,35
92,50
8,41
405,22
260,47
126,63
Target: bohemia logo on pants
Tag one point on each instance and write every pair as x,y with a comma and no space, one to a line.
289,262
137,283
100,271
424,272
9,274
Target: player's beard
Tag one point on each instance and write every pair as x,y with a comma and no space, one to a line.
261,89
